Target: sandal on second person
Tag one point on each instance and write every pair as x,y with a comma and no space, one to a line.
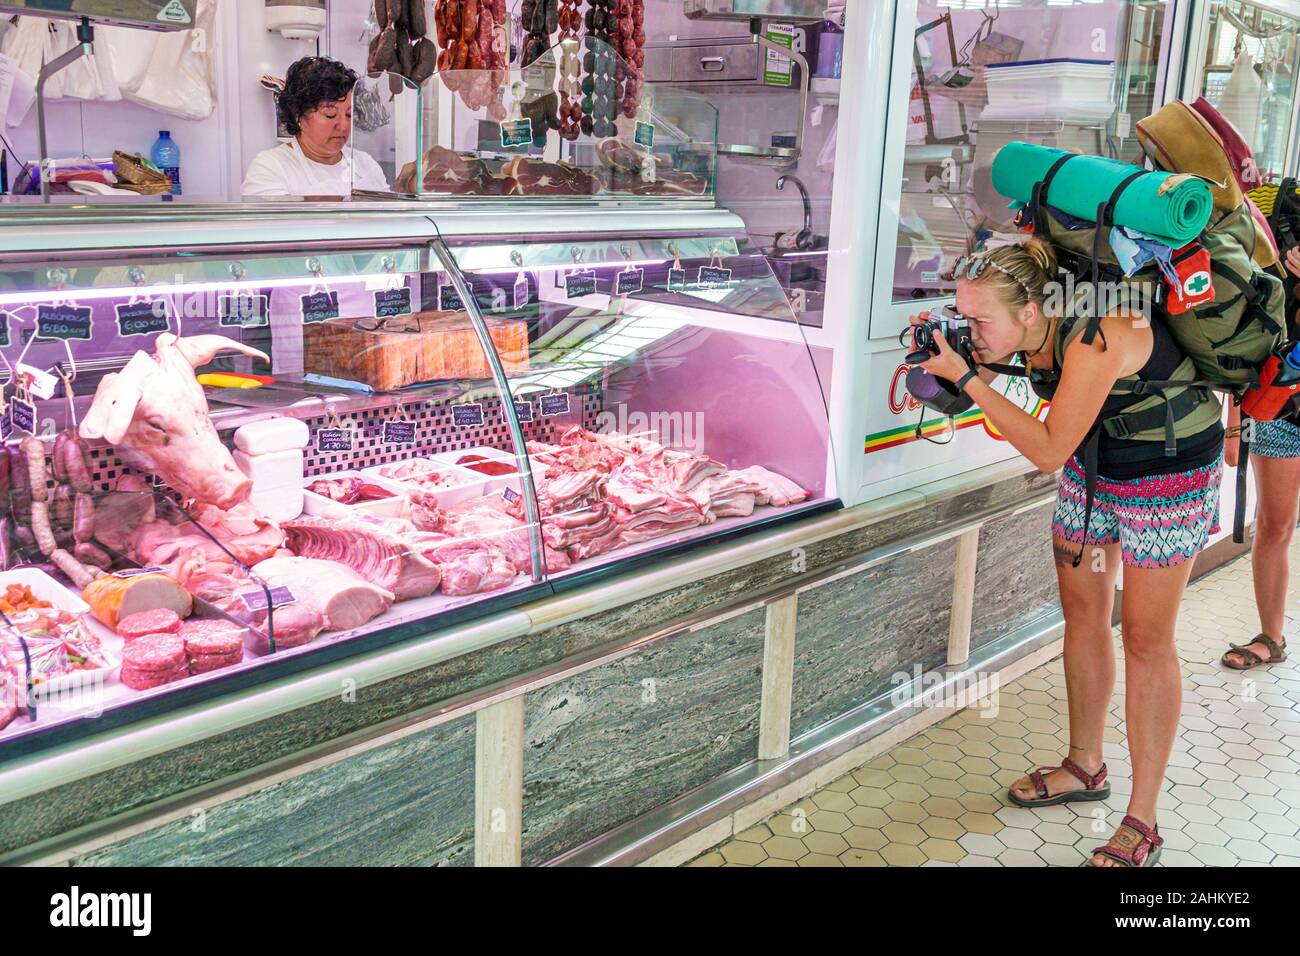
1276,653
1134,844
1094,787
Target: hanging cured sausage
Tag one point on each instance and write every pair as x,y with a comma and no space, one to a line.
473,51
570,86
401,45
631,46
602,94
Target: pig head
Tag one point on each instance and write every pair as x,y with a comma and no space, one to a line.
155,408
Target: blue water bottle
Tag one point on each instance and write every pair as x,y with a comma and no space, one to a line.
166,155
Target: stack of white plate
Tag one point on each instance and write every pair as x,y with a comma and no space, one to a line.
1049,89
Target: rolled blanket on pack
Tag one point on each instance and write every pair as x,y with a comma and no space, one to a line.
1170,208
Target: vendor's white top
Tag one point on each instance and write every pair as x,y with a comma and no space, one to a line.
284,170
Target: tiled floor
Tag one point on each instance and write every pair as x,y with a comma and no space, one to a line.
1232,797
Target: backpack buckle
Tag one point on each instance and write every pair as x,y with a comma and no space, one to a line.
1118,428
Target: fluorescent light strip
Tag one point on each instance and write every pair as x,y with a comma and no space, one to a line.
31,298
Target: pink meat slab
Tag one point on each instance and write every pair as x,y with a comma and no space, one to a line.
144,680
156,653
158,621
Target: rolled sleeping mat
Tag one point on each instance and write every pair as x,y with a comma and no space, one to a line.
1170,208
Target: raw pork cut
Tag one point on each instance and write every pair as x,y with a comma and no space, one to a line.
343,598
776,489
369,548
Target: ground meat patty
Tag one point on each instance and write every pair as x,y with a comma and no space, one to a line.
212,636
154,654
211,662
160,620
143,680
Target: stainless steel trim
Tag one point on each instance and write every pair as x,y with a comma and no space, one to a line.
667,825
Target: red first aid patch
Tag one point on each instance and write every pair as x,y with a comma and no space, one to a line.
1196,284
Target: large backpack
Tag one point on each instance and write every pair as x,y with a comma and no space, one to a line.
1227,340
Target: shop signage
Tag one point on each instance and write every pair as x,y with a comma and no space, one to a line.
779,70
245,310
319,307
449,299
333,439
398,432
629,281
63,322
390,302
515,133
142,318
644,135
521,292
256,600
557,404
579,284
467,415
4,330
676,280
524,411
712,276
23,415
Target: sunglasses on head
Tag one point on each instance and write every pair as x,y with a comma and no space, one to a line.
972,267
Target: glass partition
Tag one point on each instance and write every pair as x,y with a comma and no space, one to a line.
1071,75
227,463
1250,64
665,414
572,123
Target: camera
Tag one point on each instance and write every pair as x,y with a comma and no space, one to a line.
949,325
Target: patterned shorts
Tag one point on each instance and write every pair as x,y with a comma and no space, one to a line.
1160,521
1276,439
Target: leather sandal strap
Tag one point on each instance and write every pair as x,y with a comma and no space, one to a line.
1250,656
1089,781
1150,834
1132,848
1040,785
1274,651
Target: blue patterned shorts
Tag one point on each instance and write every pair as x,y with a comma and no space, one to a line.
1276,439
1159,521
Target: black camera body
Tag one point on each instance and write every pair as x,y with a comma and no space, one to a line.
952,327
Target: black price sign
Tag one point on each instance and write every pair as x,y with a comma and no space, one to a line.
712,276
23,415
397,432
63,322
449,299
4,330
524,411
629,281
467,416
645,135
579,284
557,404
319,307
333,439
515,133
676,280
6,427
390,302
256,600
510,495
244,310
142,318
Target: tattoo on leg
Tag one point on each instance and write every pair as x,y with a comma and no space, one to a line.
1065,553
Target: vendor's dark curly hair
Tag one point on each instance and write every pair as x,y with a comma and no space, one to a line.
311,81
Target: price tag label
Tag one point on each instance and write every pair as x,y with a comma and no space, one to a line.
319,307
256,600
390,302
521,292
516,133
23,415
4,330
510,495
711,276
629,281
644,135
333,439
579,284
676,280
38,381
449,299
557,404
6,426
142,318
397,432
467,415
63,322
245,310
132,572
524,411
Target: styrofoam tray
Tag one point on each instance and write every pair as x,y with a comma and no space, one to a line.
319,506
493,484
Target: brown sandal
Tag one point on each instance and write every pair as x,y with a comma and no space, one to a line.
1276,655
1094,787
1134,844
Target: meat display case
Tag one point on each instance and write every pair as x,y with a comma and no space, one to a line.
474,409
